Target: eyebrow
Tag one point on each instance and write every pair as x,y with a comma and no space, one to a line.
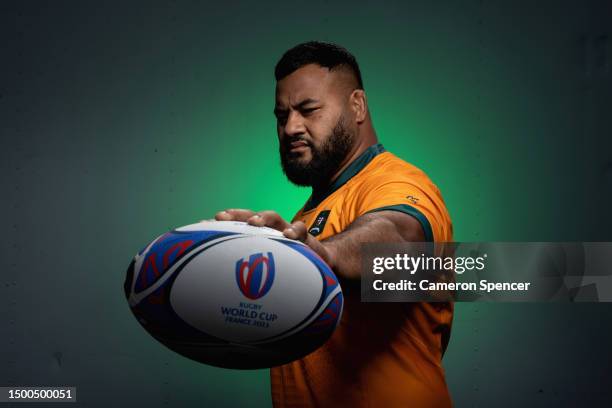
300,105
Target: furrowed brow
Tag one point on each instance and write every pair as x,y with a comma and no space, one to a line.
305,102
278,110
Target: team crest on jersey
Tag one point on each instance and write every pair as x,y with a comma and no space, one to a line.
319,223
255,275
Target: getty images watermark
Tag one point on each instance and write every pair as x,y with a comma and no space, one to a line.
492,271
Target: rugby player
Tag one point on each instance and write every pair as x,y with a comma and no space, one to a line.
381,355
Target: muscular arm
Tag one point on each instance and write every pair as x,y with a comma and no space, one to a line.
340,250
383,226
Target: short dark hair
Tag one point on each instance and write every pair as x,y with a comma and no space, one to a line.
326,55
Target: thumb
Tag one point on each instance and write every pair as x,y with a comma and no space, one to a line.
298,231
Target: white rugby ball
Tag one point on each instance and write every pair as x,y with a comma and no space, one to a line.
233,295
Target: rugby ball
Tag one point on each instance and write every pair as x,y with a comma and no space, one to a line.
232,295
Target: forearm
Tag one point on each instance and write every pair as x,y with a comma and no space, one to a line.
384,227
342,251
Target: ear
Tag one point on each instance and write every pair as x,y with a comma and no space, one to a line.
359,105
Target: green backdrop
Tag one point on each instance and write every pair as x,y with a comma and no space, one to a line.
120,121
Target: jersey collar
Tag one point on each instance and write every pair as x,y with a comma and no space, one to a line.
355,167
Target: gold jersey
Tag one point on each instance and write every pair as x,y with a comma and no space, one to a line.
381,354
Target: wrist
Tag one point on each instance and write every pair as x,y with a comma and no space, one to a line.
330,255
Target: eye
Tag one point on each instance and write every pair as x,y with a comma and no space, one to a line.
281,117
308,111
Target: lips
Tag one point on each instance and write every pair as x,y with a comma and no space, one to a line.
298,143
298,146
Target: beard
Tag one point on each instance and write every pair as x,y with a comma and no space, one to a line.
325,161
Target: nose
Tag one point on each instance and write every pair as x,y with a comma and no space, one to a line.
294,125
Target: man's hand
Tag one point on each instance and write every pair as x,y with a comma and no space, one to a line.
271,219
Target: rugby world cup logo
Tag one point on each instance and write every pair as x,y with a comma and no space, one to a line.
256,275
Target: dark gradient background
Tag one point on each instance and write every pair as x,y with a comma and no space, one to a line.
120,121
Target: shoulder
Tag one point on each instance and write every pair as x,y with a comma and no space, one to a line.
388,168
390,183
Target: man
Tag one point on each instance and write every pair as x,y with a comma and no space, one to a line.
381,355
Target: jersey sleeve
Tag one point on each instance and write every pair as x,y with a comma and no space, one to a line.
420,199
